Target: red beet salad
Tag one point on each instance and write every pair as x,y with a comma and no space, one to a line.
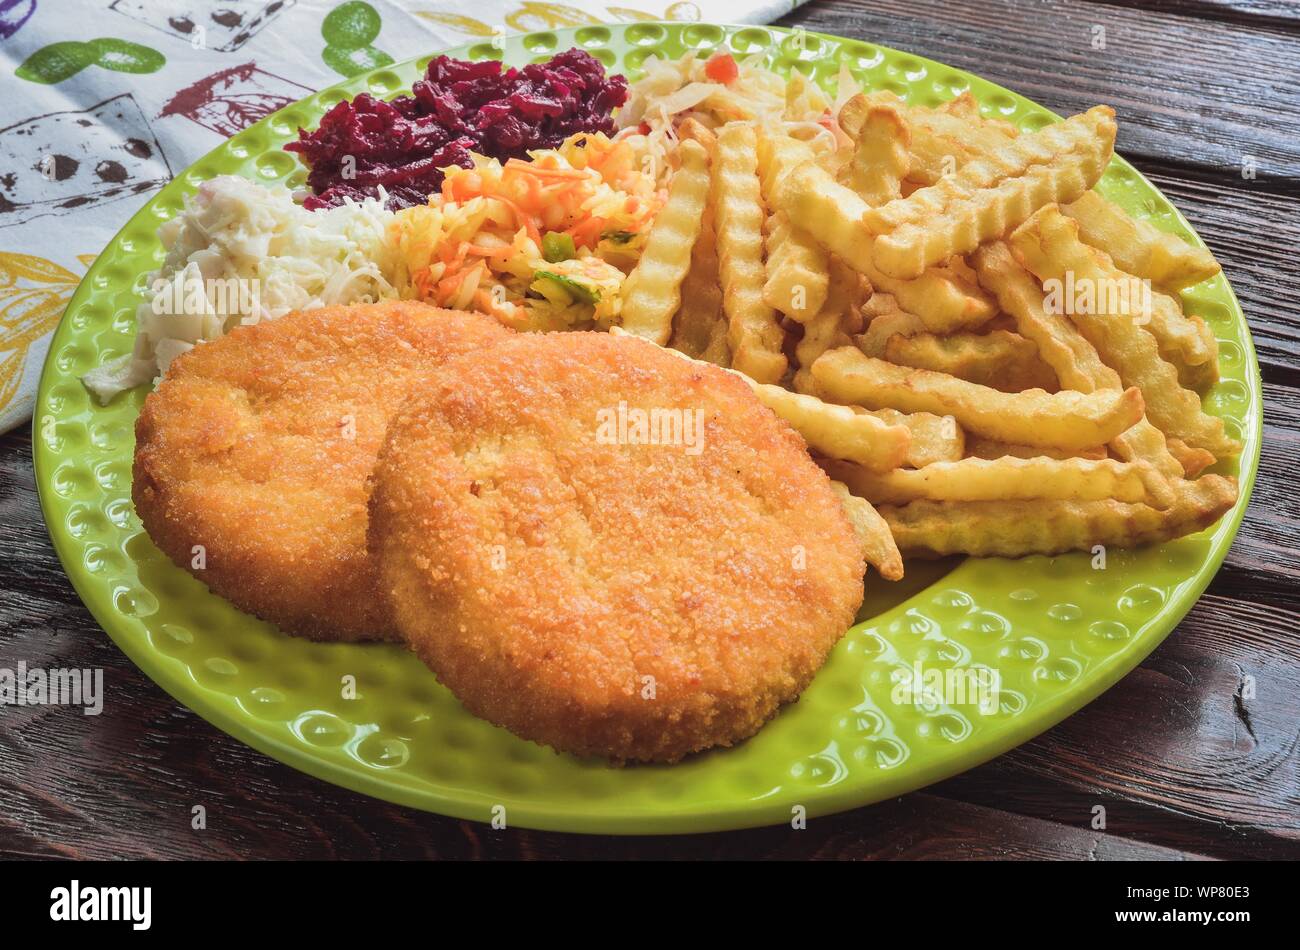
457,108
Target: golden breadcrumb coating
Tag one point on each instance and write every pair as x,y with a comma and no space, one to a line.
256,448
628,601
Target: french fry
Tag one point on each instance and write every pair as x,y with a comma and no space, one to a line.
1146,252
908,250
1061,345
874,341
1000,360
880,159
1199,377
943,139
652,292
832,214
943,142
934,438
1059,342
1009,479
694,130
1048,245
963,106
878,548
1104,287
941,298
827,329
1019,528
700,327
1193,461
958,213
982,448
835,431
1139,248
753,331
796,264
1089,133
1067,420
853,114
796,270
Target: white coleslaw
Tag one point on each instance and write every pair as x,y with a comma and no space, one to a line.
239,253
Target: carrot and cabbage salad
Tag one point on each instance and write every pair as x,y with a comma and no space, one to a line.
542,244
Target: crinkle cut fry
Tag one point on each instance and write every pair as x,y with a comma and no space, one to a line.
797,265
1091,131
832,214
880,159
754,333
907,250
700,326
833,430
652,292
1010,478
878,547
826,330
1140,248
927,529
1048,245
1067,419
1065,349
999,359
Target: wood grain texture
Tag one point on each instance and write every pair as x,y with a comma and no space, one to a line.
1193,755
1283,14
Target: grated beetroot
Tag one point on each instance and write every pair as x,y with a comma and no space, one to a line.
458,107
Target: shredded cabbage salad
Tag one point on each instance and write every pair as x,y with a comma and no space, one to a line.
240,253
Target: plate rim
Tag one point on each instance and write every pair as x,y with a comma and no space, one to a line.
222,710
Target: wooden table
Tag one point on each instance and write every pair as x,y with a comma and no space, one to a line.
1185,763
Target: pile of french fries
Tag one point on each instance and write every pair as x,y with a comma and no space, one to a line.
891,298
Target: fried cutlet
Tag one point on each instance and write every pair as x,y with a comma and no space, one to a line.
587,589
253,454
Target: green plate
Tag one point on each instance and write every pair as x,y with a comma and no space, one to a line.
1057,631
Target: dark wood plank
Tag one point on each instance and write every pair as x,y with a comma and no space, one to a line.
1265,550
1191,91
1281,14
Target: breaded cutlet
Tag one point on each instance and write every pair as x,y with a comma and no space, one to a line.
590,591
253,454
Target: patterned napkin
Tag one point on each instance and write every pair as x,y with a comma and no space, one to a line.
112,98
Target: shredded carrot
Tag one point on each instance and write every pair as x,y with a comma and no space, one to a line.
541,172
587,233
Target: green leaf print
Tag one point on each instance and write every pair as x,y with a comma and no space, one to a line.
56,62
349,29
59,61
